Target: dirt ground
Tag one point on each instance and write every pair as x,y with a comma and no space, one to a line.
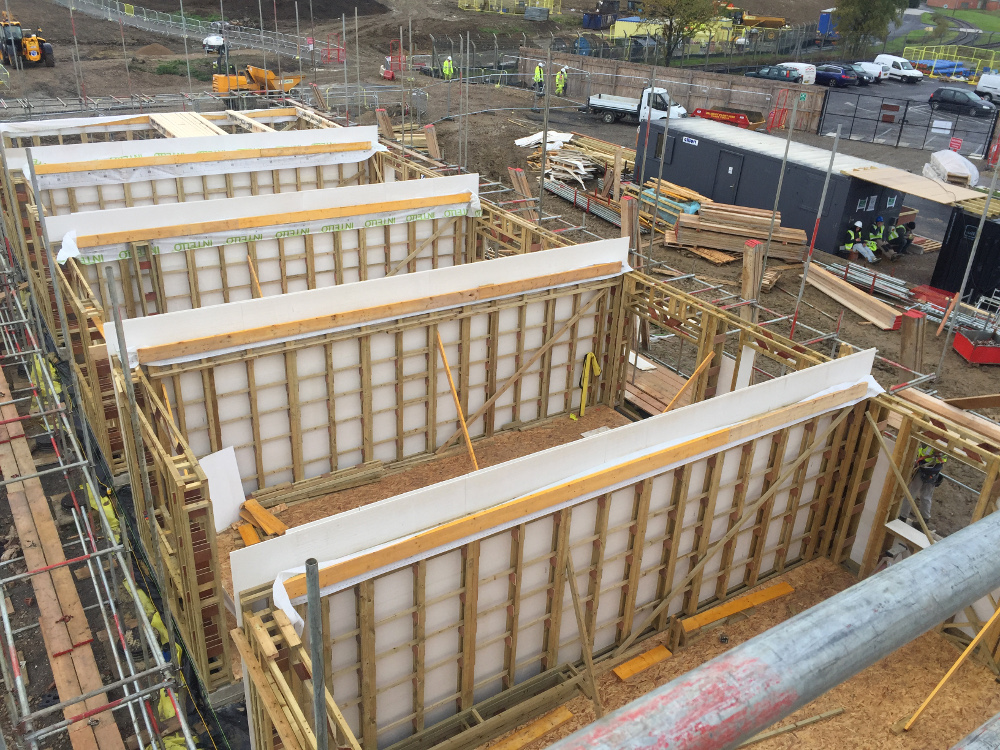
873,700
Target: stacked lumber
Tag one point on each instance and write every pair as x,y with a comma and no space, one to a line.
676,192
729,233
666,209
722,213
873,310
306,489
410,134
603,152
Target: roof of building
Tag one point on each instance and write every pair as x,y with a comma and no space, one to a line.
819,159
769,145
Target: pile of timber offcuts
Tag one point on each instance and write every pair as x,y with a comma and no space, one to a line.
565,164
727,228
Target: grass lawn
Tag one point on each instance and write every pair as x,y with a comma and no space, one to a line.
982,19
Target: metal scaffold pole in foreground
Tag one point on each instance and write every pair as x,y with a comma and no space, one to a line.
747,689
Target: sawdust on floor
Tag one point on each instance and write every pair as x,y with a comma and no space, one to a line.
504,446
873,700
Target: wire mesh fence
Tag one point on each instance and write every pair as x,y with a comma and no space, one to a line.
905,123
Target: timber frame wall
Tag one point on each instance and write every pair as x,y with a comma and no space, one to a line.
314,406
506,594
181,503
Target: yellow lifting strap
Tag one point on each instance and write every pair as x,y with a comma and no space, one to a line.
589,365
105,506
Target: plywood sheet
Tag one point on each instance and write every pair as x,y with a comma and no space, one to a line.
913,184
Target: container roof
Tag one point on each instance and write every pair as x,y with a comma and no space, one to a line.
769,145
819,159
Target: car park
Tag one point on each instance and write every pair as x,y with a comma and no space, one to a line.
878,71
808,71
900,68
988,87
776,73
836,75
961,101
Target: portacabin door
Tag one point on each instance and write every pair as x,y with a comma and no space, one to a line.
727,177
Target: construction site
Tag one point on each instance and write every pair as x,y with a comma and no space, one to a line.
347,402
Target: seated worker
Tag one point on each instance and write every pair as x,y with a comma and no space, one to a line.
877,236
856,244
902,237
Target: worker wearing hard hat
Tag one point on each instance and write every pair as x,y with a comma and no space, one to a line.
539,76
855,243
448,69
561,82
878,240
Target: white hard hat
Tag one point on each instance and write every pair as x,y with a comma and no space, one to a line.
564,67
858,224
449,57
541,65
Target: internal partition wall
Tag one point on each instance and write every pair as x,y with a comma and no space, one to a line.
440,600
309,384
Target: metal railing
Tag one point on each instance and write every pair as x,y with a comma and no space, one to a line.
173,24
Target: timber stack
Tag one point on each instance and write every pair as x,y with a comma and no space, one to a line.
728,228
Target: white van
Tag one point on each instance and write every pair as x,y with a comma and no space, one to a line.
879,71
807,71
901,68
989,87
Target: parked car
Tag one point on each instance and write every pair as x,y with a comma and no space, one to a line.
836,75
989,86
879,71
951,99
864,77
900,68
777,73
808,71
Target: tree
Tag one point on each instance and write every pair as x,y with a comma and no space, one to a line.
678,18
861,22
941,26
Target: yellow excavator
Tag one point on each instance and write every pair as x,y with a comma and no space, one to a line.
20,48
252,79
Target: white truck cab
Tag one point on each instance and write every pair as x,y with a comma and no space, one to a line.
654,105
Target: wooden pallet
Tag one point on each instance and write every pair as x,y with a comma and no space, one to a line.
926,244
717,257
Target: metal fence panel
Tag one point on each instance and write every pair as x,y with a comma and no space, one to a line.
905,123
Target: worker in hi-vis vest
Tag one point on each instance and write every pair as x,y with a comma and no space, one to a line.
561,82
539,76
856,243
448,69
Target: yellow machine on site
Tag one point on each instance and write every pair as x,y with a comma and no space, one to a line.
253,79
21,48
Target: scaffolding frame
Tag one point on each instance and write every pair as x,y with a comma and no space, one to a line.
106,559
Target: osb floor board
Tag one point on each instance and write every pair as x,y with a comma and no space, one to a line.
653,390
502,447
874,699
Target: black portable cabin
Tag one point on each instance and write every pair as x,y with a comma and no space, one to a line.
742,167
984,276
